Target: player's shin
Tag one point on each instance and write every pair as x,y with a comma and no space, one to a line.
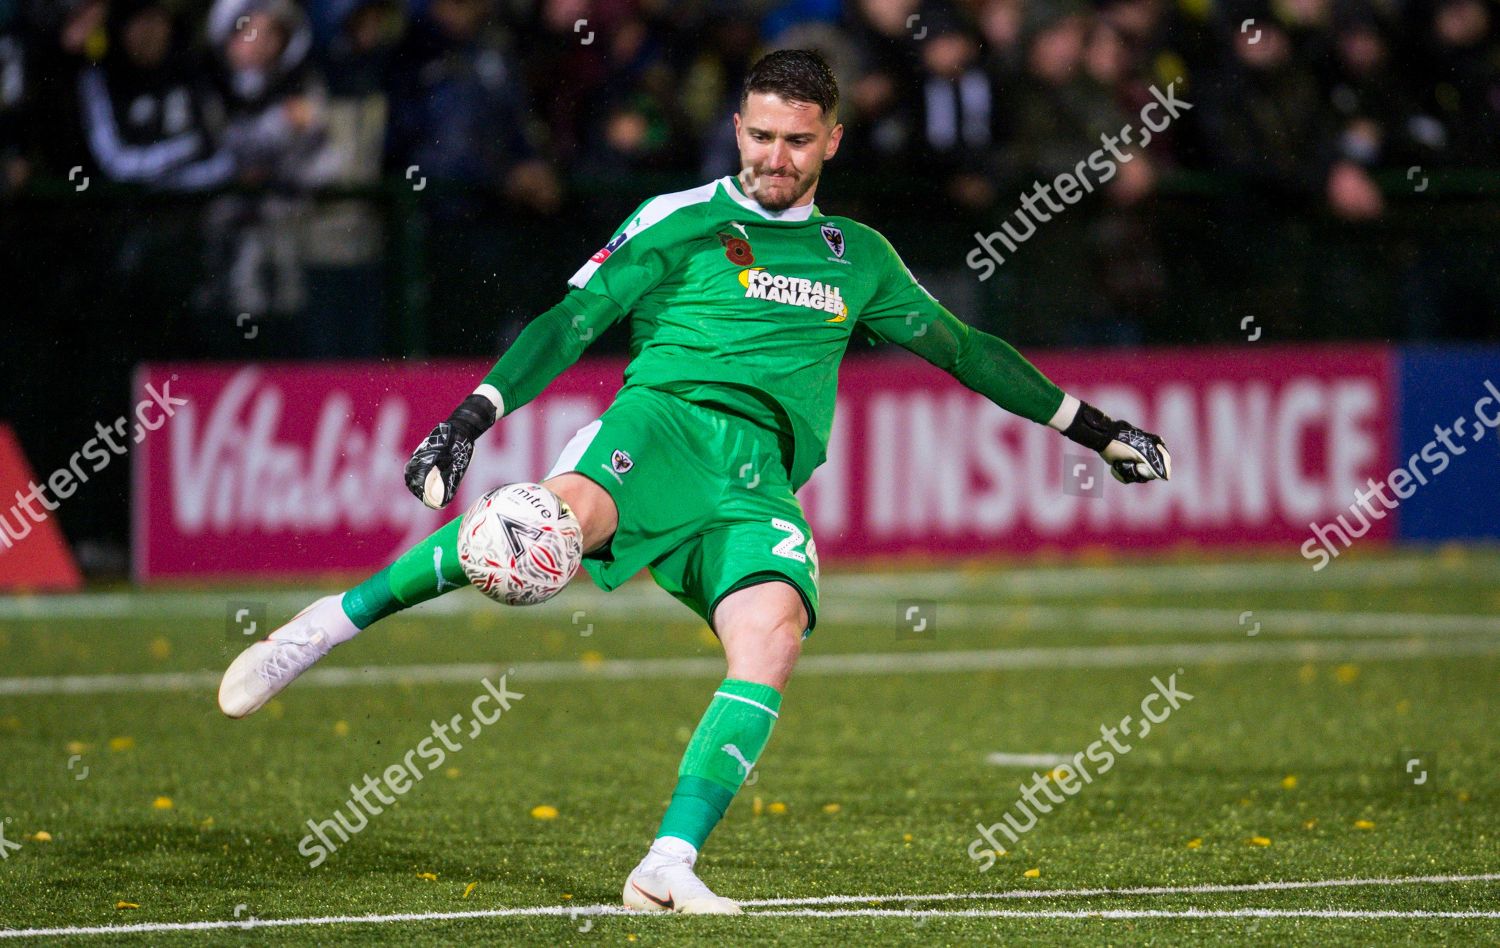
423,572
721,755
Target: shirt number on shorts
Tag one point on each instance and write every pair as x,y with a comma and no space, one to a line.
788,546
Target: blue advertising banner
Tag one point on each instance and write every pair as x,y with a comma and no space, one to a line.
1450,407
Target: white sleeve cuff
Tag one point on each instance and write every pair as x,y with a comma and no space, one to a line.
1065,413
493,394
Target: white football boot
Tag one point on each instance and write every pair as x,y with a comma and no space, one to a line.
268,666
665,882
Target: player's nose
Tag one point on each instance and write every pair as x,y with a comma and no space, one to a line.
776,162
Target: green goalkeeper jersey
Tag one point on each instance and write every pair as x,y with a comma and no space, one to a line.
750,311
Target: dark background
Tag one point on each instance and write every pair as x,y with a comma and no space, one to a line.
248,193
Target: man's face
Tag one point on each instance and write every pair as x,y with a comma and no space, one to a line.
783,145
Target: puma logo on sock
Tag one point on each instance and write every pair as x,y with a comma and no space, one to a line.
734,752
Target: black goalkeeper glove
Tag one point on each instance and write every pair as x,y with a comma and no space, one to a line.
439,462
1134,456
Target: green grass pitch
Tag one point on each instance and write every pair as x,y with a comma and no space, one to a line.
129,800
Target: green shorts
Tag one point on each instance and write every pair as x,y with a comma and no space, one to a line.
703,498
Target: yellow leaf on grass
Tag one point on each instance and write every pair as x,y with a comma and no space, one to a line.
1309,824
757,805
162,803
1259,841
77,747
1032,873
1363,825
777,808
1195,842
470,888
1346,674
121,743
429,876
831,808
1289,782
544,812
452,773
906,837
40,836
126,905
341,728
160,648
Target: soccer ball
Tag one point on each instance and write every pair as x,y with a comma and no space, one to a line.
520,544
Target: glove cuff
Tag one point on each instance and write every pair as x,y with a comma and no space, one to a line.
1091,428
473,417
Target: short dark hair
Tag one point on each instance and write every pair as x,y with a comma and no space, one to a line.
797,75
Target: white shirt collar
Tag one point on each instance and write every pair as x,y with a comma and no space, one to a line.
731,187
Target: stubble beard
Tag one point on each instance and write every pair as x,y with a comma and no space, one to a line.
783,200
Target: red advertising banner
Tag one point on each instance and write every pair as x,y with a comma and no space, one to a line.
34,554
296,468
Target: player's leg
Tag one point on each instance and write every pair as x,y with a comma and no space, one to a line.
427,570
761,627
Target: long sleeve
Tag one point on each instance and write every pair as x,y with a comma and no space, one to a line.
903,312
549,344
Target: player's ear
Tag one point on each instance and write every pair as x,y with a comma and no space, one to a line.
736,125
834,137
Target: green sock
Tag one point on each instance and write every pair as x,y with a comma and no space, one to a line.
423,572
729,740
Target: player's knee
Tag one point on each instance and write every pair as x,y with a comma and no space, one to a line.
761,628
590,503
520,544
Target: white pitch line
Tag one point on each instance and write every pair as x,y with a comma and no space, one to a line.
1201,889
883,610
807,909
1002,759
539,910
1071,581
1121,913
875,663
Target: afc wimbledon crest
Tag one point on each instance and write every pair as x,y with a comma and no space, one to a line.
835,238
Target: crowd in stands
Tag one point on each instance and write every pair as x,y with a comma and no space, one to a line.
507,102
1303,95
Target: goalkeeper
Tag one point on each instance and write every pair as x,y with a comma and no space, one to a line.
742,299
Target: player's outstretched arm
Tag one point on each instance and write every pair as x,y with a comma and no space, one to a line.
548,345
993,368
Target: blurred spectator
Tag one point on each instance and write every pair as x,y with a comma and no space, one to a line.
274,98
1378,122
458,120
67,37
15,167
459,114
142,108
1265,120
957,110
1091,270
1000,23
589,57
1458,70
879,110
344,240
275,119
